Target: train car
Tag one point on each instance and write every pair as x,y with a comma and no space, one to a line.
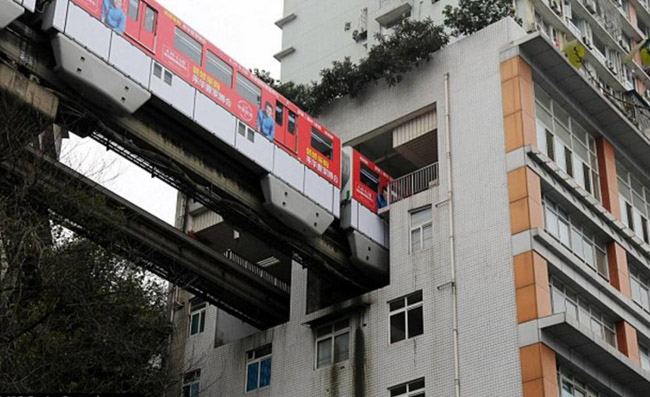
362,196
10,10
121,53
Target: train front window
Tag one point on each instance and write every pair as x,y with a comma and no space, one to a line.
321,143
219,68
369,178
248,90
149,19
188,46
279,113
133,9
292,123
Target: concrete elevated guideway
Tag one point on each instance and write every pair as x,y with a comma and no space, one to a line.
190,160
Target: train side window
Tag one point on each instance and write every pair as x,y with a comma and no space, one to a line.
248,90
168,77
188,46
149,19
132,12
321,143
292,123
218,68
369,178
279,113
157,70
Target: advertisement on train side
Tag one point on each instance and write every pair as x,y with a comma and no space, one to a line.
369,182
181,52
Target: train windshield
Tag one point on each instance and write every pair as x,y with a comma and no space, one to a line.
188,46
218,68
369,178
323,144
248,90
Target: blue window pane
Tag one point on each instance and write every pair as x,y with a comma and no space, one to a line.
251,377
194,390
265,372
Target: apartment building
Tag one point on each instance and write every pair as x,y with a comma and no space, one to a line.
520,256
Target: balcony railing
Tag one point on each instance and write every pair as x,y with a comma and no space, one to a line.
413,183
258,271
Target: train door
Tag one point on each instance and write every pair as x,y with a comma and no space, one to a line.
141,23
287,125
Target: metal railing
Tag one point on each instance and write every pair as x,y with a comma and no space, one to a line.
413,183
258,271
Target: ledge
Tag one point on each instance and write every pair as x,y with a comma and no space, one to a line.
578,339
285,20
286,52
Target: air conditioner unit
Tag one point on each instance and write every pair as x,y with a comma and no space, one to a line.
625,46
555,6
611,67
587,41
590,5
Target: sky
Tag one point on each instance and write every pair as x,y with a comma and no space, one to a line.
243,29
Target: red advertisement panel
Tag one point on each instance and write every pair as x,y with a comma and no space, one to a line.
369,182
179,48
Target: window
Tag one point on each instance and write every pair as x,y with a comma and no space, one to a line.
645,357
640,289
197,317
258,368
332,343
188,46
191,383
414,388
218,68
576,237
421,229
322,143
564,300
132,11
572,386
279,114
635,203
565,142
369,178
246,131
149,19
292,123
248,90
406,318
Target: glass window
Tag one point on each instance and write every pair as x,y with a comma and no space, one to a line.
645,357
218,68
149,19
332,343
369,178
132,11
406,317
197,319
258,368
323,144
292,123
188,46
414,388
279,113
249,90
191,383
421,229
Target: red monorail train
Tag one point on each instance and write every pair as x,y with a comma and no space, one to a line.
122,53
179,48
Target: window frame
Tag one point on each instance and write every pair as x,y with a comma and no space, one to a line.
258,357
417,391
191,42
244,83
420,227
406,309
324,140
200,311
333,334
190,380
213,59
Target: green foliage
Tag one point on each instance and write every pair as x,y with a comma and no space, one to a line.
473,15
411,43
73,317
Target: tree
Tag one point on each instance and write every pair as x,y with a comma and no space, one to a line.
73,316
473,15
411,43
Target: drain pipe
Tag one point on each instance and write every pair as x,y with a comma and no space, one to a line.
452,245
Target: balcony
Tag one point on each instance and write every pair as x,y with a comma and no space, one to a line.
391,10
413,183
